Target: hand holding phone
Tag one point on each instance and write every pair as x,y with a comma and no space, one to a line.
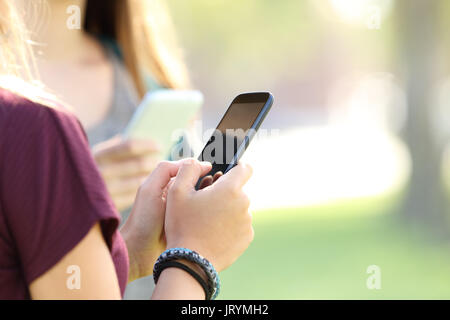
124,165
163,115
234,133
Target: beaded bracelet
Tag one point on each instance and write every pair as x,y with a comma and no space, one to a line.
183,253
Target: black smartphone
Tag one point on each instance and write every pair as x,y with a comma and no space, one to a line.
235,131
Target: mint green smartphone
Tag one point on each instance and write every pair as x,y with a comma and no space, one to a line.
163,115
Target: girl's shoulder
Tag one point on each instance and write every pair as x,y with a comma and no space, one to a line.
31,112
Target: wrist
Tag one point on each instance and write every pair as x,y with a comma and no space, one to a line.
193,270
134,271
191,245
178,253
176,284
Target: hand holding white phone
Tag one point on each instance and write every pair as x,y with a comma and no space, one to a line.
162,115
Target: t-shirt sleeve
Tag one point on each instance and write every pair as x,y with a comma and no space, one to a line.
51,189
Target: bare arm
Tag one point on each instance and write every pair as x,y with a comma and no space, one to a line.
97,274
98,278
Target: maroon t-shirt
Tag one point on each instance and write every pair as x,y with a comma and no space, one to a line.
51,194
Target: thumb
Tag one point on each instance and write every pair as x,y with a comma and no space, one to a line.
161,176
190,171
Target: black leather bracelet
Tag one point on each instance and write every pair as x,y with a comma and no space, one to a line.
195,275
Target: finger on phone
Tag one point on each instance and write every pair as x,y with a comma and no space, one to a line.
190,171
162,175
217,175
206,182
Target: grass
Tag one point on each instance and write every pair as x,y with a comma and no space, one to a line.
323,253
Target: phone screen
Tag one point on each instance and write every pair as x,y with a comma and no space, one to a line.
230,134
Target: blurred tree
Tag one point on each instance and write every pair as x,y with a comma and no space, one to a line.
425,201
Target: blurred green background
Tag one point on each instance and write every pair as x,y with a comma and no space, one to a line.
354,168
323,252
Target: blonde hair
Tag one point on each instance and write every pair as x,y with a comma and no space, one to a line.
144,32
16,54
142,29
18,71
